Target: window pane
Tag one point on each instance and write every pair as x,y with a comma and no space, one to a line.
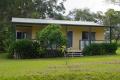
85,36
21,35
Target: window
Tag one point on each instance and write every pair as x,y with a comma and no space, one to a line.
69,38
21,35
85,35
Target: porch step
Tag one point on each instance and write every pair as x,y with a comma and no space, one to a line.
74,54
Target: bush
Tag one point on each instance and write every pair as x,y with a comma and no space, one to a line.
51,40
100,49
110,48
24,49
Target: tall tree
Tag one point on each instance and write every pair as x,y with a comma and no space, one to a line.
85,15
48,8
9,9
112,18
27,9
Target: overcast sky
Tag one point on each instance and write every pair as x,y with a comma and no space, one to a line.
93,5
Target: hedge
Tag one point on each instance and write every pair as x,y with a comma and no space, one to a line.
24,49
100,49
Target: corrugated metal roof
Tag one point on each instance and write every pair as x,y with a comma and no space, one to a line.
45,21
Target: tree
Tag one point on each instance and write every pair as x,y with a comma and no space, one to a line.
61,17
48,8
30,8
99,17
112,18
51,36
9,9
83,15
2,38
27,9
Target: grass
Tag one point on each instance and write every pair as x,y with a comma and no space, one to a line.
82,68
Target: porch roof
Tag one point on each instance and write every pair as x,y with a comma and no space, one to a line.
61,22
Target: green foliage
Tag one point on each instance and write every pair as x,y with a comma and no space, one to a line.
93,49
51,38
49,8
110,48
3,35
85,15
112,18
100,49
24,49
30,8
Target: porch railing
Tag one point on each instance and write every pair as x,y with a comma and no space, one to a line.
84,43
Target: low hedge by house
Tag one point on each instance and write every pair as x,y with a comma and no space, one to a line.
100,49
24,49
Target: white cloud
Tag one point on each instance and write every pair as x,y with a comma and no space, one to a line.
93,5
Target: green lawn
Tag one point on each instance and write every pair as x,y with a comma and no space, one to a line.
82,68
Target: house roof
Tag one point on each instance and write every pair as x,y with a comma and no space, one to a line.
46,21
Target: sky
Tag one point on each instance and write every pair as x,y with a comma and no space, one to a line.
93,5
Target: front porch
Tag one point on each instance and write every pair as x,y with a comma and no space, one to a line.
77,37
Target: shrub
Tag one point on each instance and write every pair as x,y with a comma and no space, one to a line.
24,49
110,48
51,40
52,37
100,49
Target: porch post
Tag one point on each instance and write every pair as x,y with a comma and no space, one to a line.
110,34
89,36
13,32
66,30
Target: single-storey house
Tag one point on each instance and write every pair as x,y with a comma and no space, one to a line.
78,33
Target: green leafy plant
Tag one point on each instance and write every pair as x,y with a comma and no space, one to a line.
100,49
24,49
51,40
